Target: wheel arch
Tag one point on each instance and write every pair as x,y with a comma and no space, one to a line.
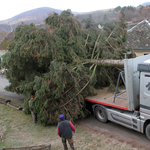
145,124
97,105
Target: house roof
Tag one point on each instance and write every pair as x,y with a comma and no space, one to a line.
139,36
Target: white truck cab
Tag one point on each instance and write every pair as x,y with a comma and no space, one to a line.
144,74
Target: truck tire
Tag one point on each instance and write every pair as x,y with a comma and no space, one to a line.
101,114
147,131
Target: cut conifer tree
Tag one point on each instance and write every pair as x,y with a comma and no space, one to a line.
50,64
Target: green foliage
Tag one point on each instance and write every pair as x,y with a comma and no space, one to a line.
118,8
27,57
92,33
123,27
57,92
106,43
128,8
49,64
105,18
68,36
89,22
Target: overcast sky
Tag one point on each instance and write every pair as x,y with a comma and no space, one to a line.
11,8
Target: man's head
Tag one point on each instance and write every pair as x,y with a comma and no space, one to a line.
32,97
61,117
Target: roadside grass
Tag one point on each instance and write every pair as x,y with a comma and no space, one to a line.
18,130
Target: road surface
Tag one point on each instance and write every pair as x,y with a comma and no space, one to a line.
5,94
120,132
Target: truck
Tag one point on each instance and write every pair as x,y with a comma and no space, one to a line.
130,107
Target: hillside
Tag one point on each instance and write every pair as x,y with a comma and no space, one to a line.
7,40
3,35
35,16
98,15
146,4
32,16
38,15
132,14
5,27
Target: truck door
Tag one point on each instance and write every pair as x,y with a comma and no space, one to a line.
145,92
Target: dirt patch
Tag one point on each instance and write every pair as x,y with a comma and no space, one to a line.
132,143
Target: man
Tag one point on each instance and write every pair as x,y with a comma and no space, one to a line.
34,116
64,130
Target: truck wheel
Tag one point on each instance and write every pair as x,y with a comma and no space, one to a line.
101,114
148,131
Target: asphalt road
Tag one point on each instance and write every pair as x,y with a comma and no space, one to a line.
5,94
110,127
119,131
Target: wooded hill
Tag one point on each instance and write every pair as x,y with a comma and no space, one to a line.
36,16
134,14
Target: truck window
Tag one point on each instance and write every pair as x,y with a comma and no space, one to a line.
147,85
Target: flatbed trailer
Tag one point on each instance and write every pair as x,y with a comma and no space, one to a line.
106,98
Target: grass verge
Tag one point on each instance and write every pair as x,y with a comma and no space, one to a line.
18,130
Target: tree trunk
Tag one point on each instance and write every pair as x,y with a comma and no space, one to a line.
106,62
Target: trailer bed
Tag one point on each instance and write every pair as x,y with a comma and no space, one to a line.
106,98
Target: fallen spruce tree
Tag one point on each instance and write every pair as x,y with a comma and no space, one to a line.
52,64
